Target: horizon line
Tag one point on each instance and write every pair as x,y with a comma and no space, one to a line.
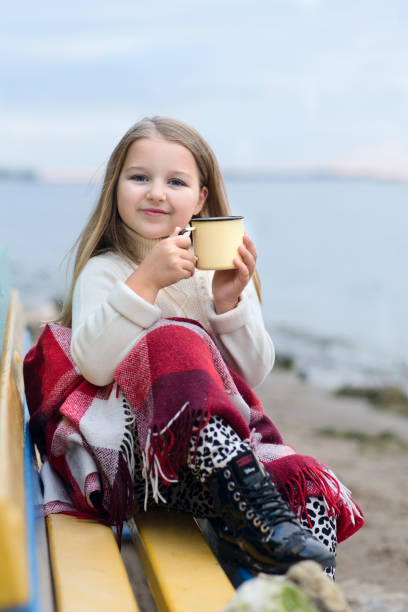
94,175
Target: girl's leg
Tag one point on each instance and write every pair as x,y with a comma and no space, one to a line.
217,444
323,527
223,479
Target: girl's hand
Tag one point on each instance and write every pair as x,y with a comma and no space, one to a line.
228,285
169,261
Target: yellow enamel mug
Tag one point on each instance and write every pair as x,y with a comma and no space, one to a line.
216,241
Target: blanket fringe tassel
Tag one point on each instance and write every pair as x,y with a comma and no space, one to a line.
127,445
121,503
167,449
333,492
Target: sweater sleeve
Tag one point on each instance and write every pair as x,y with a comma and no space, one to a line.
242,338
108,318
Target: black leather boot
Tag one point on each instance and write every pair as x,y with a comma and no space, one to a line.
257,528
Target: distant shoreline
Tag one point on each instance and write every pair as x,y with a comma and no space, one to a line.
18,175
86,176
312,175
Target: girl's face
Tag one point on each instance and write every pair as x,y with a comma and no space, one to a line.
159,187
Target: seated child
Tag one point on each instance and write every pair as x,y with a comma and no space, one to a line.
141,395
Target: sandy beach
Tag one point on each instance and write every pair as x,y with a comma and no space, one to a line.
372,565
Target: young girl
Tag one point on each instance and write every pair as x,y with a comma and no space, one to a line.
141,396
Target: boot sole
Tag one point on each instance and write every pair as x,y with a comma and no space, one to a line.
230,552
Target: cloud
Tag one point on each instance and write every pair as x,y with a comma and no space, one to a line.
276,85
88,47
55,49
40,140
386,158
308,4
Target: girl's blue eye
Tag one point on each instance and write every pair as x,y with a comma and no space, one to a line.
176,182
139,178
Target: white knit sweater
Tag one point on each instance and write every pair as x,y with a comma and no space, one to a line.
108,319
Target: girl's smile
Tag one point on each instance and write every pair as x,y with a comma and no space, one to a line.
154,212
159,187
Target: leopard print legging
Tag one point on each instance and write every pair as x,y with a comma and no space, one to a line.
218,443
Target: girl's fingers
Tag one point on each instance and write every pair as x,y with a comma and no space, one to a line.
248,258
243,271
187,255
250,246
183,242
189,268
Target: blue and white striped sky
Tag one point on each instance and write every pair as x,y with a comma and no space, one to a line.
269,83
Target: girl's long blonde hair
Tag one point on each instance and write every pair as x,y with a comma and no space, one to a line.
105,231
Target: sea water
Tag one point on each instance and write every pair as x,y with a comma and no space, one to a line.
332,258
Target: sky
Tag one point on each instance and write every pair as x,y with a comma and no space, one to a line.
278,84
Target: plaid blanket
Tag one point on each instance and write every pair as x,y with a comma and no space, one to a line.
172,379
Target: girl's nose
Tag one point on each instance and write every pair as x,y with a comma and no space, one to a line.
156,192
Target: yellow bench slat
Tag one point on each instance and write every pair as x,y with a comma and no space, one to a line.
14,580
183,573
87,567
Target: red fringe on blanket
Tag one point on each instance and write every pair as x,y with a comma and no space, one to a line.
295,491
169,447
298,477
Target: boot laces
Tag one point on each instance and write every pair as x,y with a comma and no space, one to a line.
265,500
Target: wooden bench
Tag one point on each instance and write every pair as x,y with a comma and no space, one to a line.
183,573
61,563
65,564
